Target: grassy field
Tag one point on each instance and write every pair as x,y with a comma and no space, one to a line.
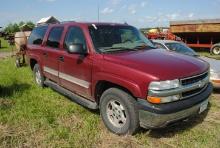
207,54
34,117
5,46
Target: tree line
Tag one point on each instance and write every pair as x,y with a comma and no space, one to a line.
11,28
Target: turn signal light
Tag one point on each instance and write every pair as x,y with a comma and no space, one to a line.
155,100
216,81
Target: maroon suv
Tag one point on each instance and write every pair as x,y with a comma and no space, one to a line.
114,68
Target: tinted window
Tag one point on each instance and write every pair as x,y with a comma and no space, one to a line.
54,37
181,48
37,35
74,36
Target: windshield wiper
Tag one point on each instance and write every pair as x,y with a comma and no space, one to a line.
114,49
144,46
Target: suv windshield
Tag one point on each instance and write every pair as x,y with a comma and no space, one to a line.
111,38
181,48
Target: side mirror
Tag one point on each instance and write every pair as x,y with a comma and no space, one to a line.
76,49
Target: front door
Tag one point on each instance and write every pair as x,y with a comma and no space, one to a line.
51,54
75,69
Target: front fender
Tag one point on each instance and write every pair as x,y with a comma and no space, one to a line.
128,84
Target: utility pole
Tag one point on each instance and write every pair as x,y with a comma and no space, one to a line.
98,9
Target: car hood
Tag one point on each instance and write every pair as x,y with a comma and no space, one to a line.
159,63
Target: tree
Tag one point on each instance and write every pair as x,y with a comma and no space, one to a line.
30,24
15,27
12,28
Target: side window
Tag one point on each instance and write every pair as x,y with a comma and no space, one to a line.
37,35
54,37
74,36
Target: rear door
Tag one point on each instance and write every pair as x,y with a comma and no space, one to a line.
75,70
51,54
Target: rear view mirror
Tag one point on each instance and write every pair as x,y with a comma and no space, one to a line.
76,49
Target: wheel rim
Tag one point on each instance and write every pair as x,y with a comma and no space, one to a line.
216,50
38,77
116,113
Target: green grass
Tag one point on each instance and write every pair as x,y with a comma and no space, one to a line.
207,54
5,47
34,117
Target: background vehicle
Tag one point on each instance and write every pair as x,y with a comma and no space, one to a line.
199,33
184,49
113,67
159,33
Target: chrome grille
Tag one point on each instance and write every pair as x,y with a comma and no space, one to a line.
201,80
194,79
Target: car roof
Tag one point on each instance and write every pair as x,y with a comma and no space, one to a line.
85,23
164,41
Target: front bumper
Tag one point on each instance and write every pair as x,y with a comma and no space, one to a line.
157,116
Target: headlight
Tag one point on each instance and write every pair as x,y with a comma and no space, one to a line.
164,85
161,86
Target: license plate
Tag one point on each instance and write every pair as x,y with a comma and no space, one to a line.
203,107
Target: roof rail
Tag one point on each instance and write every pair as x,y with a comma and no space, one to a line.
66,22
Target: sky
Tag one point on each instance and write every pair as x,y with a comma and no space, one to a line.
139,13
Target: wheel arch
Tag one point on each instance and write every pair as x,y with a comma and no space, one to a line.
103,85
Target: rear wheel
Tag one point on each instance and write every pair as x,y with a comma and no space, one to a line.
119,111
216,50
39,78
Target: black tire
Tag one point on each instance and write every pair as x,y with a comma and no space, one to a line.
130,111
38,76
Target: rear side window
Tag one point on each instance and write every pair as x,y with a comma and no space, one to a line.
37,35
54,37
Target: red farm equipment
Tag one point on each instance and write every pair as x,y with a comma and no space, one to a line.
204,34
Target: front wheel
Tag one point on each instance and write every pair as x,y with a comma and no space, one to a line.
216,50
39,78
119,111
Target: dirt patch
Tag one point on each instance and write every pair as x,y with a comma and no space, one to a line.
109,140
5,55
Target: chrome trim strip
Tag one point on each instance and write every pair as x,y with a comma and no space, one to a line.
193,76
181,89
74,80
67,77
50,71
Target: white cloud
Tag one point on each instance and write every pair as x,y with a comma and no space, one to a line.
107,10
132,9
172,16
115,2
143,4
191,15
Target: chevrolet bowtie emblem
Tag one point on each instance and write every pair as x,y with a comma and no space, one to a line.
200,84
